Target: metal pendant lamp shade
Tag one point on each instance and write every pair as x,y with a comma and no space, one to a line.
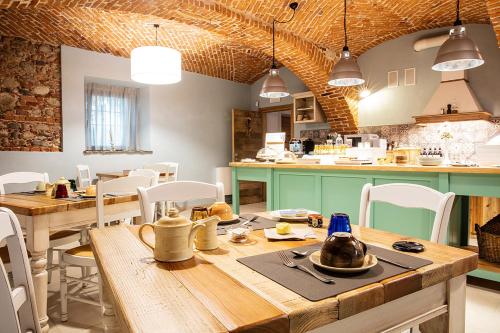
458,53
274,86
346,72
155,64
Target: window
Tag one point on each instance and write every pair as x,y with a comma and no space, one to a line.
111,117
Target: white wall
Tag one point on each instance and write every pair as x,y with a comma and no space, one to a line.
190,122
388,106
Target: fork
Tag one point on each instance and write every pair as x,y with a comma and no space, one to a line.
289,263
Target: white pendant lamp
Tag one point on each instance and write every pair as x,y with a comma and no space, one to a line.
274,86
346,71
155,64
458,52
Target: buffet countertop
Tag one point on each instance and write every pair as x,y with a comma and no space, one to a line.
387,167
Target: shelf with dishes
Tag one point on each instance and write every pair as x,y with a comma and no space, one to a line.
306,108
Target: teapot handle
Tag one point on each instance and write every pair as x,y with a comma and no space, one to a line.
142,238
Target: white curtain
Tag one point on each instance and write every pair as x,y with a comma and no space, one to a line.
111,117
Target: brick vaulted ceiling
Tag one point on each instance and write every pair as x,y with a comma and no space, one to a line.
231,39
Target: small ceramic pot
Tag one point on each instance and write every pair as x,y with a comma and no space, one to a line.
342,249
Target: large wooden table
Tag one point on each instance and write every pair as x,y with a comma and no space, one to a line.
40,216
214,293
118,174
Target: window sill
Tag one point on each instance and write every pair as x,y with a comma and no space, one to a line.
117,152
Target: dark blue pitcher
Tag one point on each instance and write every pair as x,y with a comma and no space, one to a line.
339,222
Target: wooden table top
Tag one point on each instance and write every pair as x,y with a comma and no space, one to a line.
39,204
118,174
387,167
214,293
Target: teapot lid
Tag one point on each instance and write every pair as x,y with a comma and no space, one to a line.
173,218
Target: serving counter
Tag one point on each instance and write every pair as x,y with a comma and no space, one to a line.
337,188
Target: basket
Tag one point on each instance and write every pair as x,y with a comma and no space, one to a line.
488,240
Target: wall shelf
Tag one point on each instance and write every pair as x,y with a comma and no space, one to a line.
461,116
306,109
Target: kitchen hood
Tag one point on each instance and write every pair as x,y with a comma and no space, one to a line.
454,89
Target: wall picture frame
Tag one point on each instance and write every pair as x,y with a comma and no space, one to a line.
410,76
392,79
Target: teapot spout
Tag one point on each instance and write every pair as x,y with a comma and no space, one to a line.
193,232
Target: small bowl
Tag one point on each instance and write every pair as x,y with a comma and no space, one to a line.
238,234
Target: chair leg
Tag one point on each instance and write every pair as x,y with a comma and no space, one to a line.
50,265
64,289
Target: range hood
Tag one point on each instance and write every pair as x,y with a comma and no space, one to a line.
454,89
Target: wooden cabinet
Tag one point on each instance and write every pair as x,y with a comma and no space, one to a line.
306,108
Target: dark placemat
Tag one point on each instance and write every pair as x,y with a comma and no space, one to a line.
271,266
260,223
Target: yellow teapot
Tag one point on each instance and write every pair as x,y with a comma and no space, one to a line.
174,237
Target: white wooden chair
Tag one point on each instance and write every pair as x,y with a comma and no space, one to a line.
59,238
165,167
168,168
17,302
83,178
154,175
176,191
82,256
410,196
22,178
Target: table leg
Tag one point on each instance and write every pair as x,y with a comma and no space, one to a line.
37,241
236,192
456,304
108,315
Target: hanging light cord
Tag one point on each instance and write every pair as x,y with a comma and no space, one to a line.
345,25
293,6
458,21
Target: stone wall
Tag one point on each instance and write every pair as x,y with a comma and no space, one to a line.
30,96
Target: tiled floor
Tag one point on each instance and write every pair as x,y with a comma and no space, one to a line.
482,311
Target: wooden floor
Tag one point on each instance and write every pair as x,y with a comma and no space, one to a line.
482,308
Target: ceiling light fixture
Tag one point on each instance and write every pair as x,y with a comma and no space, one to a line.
346,71
458,52
155,64
274,86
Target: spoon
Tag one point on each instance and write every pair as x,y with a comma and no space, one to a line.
299,254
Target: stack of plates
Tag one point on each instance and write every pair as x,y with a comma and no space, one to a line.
430,160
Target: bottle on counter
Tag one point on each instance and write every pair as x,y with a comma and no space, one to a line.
440,152
339,141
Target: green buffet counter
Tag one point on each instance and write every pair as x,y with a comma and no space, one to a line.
334,188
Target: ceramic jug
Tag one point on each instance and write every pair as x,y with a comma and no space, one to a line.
342,249
206,238
174,237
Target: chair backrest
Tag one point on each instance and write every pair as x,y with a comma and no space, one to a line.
22,178
83,177
177,191
154,175
17,302
410,196
116,187
165,167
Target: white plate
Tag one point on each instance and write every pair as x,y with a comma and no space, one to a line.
297,233
370,261
277,215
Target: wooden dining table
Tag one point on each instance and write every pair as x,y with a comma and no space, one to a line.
118,174
212,292
41,216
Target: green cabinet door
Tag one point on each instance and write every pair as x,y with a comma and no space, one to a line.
341,195
295,191
414,222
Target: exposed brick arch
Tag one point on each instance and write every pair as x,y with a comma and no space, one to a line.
231,38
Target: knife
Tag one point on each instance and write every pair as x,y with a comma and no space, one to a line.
393,263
